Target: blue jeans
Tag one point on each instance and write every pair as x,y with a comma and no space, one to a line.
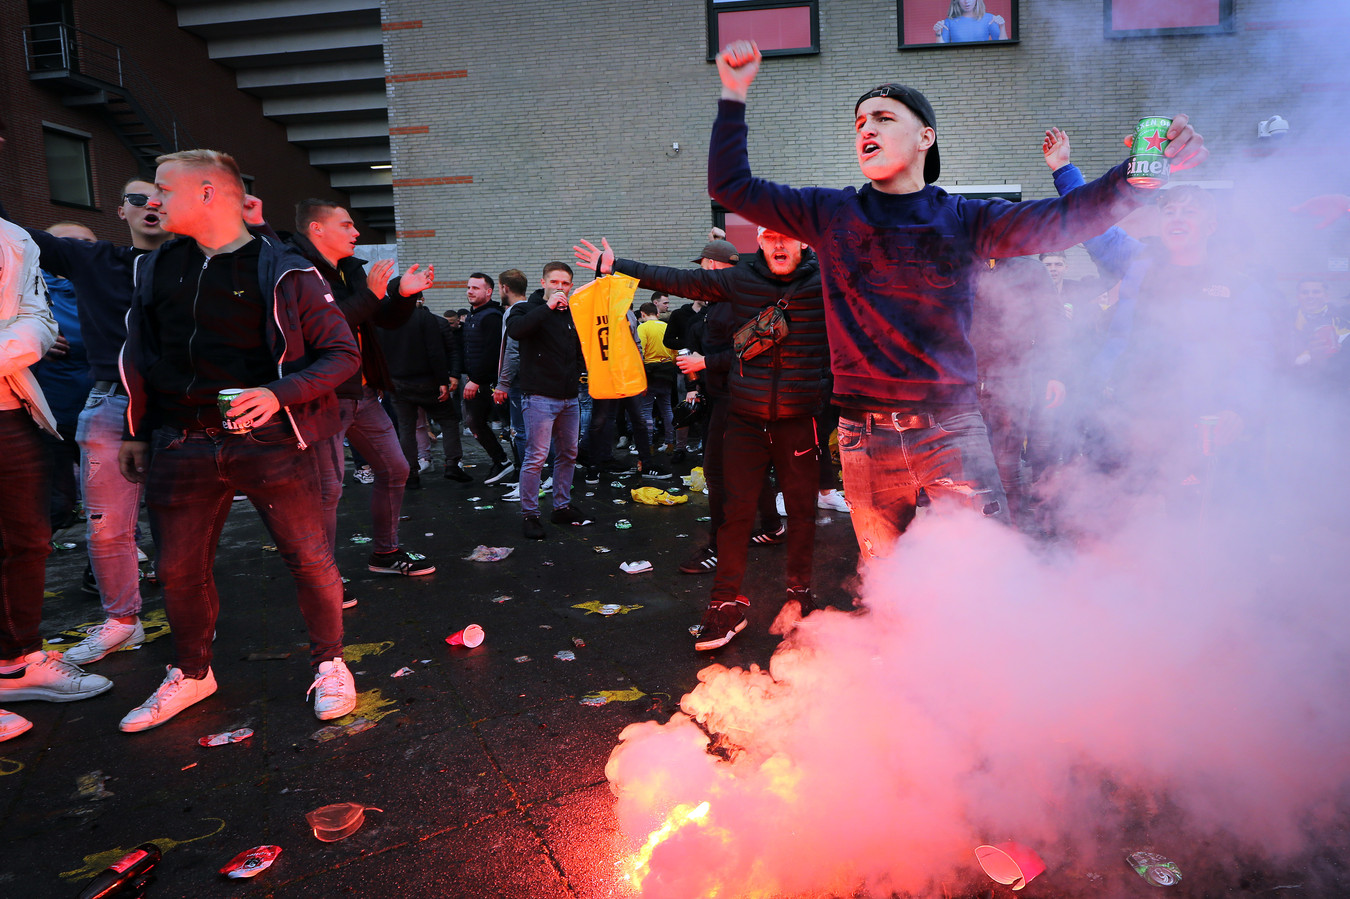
548,420
111,503
514,397
656,401
25,534
887,463
192,479
370,432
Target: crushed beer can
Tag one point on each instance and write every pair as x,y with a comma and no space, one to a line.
230,736
565,655
623,524
251,862
1154,868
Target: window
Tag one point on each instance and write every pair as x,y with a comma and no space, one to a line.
1142,18
780,28
956,23
68,174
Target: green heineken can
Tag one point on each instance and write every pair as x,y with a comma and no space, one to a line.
1154,868
225,399
1148,166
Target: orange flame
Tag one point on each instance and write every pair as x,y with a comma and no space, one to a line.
640,865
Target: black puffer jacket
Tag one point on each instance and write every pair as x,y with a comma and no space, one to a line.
789,381
482,332
550,351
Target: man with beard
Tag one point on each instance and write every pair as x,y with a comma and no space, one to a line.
774,397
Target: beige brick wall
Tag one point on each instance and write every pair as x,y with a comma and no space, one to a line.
522,125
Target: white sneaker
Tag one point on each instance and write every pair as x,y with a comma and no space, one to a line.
105,639
778,504
46,675
833,500
334,690
141,556
512,495
423,465
364,475
171,697
11,725
546,486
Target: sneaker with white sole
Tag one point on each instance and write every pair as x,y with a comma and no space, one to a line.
105,639
48,676
364,475
832,500
721,622
400,562
176,693
334,690
500,471
11,725
512,495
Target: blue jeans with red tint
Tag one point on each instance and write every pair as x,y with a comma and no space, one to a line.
889,457
193,478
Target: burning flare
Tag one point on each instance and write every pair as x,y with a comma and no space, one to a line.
681,815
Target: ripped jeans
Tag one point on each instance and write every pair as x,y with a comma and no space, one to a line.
112,504
889,458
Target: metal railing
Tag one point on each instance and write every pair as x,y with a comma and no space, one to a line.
58,47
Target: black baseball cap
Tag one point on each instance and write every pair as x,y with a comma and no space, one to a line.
719,251
919,105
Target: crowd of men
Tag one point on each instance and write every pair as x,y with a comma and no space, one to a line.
935,335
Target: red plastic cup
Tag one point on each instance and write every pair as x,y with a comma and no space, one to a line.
470,637
1010,863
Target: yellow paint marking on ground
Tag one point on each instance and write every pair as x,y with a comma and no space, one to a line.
95,863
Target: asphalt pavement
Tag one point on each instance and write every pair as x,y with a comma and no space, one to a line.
487,764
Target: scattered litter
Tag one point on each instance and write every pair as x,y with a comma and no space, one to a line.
402,672
578,643
502,598
565,655
1156,869
337,822
695,630
619,502
601,697
546,562
91,786
655,496
272,547
62,545
251,862
229,736
483,508
681,535
426,661
618,485
824,520
1011,864
489,553
185,767
522,658
266,656
547,627
475,499
470,637
635,567
695,480
588,493
359,538
333,731
623,524
704,518
608,608
429,534
602,549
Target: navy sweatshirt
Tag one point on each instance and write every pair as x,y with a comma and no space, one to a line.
898,268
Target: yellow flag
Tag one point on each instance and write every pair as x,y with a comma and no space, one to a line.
613,363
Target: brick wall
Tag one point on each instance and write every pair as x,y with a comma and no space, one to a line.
559,120
202,93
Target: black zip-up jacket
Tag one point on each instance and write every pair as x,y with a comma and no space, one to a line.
364,311
550,351
792,379
482,341
307,339
418,351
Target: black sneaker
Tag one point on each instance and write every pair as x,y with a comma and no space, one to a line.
721,622
534,528
567,515
655,472
400,562
805,597
591,475
766,537
454,473
702,562
348,601
499,471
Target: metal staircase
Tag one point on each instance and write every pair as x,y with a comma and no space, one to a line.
89,71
